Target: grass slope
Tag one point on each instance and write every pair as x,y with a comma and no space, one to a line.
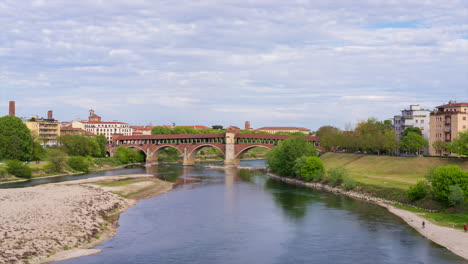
388,171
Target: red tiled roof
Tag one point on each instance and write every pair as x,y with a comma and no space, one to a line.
452,105
103,122
284,128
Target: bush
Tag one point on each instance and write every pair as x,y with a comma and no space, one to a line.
127,155
348,183
281,159
336,176
57,161
78,163
418,191
19,169
313,169
446,176
298,164
456,195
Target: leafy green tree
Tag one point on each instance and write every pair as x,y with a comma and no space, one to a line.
102,142
128,155
161,130
413,142
38,152
440,146
408,130
298,164
18,169
418,191
15,139
456,196
460,144
57,160
78,163
336,176
445,176
77,145
281,159
326,130
313,169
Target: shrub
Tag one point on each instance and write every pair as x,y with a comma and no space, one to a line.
57,160
446,176
313,169
418,191
336,176
19,169
456,195
298,164
348,183
281,159
78,163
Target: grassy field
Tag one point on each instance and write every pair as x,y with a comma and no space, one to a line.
388,171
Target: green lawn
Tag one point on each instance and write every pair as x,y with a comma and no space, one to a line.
389,171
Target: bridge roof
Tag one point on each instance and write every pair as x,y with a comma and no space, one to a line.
171,136
276,137
239,135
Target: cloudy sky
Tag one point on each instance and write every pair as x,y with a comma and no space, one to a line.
275,63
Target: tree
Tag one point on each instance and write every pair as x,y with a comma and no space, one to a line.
128,155
78,163
313,169
413,142
326,130
440,146
408,130
102,142
445,176
460,144
15,139
281,159
18,169
161,130
418,191
77,145
456,195
57,160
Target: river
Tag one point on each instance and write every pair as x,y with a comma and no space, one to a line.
232,216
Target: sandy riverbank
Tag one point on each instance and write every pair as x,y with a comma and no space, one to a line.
453,239
57,221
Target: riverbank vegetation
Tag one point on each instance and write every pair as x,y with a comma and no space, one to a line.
377,137
439,185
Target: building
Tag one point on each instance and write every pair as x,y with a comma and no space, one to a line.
142,130
96,126
273,130
415,116
47,130
69,130
446,122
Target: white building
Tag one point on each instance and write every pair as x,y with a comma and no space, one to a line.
97,127
414,117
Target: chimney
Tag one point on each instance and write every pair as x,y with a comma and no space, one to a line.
247,125
49,115
12,108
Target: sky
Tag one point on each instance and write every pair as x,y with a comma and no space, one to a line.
218,62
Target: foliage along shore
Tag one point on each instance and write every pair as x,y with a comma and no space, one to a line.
453,239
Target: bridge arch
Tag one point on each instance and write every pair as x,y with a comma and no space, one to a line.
156,152
138,147
245,149
194,151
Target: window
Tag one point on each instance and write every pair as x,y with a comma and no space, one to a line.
464,118
422,121
416,121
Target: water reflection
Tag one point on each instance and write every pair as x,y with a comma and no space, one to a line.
239,216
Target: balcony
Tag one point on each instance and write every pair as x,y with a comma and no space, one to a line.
448,129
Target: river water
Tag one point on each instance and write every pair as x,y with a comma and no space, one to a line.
232,216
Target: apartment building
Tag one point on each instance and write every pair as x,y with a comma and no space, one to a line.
446,122
415,116
47,130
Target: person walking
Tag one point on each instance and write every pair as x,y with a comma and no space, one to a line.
423,224
464,227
